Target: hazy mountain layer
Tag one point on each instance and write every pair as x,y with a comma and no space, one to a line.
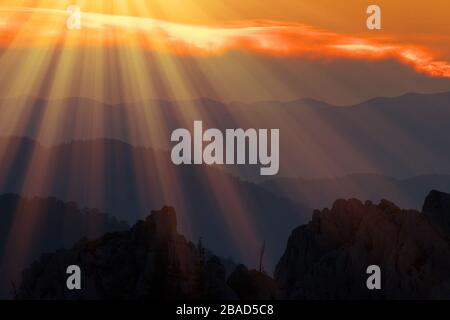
318,140
233,217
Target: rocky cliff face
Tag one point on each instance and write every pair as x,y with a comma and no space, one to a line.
149,261
328,257
325,259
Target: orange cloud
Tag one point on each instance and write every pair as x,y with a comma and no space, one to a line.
29,27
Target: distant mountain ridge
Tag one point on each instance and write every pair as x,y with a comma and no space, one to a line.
410,98
318,140
413,97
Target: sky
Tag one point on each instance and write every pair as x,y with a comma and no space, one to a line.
228,50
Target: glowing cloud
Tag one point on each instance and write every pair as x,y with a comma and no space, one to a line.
29,27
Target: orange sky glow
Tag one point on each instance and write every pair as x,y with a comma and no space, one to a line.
38,26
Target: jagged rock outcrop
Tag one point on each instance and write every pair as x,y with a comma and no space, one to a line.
149,261
437,209
325,259
328,258
31,226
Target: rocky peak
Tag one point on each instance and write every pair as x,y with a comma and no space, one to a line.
328,258
149,261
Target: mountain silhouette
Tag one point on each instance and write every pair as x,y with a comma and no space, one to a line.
233,217
149,261
326,258
318,140
378,136
32,226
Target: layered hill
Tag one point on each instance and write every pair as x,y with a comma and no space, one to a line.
318,140
32,226
233,217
